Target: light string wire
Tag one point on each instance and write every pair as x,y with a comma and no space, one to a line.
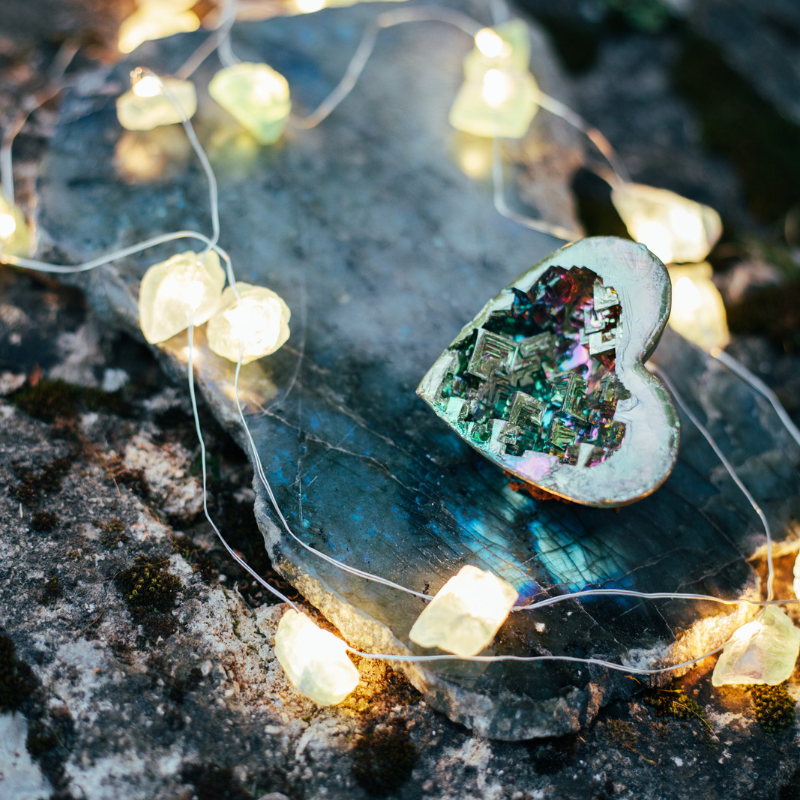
215,42
731,471
212,244
240,561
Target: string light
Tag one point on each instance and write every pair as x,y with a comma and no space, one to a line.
698,313
762,651
250,326
15,237
465,613
256,96
156,19
672,227
499,95
314,660
174,293
145,105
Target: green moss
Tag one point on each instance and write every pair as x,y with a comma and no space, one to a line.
41,739
775,709
150,593
50,400
32,484
113,531
737,122
384,759
42,521
16,677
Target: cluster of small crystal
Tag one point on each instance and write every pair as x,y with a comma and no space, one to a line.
540,376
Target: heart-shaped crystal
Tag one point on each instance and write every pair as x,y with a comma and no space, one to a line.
549,382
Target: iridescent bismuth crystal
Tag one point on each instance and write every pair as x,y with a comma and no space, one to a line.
549,380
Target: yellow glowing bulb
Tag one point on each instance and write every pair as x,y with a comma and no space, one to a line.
7,226
314,660
256,95
148,86
156,20
254,325
178,292
466,613
672,227
656,237
698,313
146,106
309,6
762,651
15,236
495,88
490,43
686,295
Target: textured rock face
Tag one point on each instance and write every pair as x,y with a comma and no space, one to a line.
383,249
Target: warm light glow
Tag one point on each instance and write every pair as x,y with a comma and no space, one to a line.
144,156
178,292
474,156
490,43
796,575
672,227
499,97
314,660
256,95
495,88
255,325
148,86
466,613
156,19
656,237
15,237
7,226
309,6
146,106
698,313
762,651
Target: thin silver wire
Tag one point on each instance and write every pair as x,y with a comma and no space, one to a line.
731,471
387,19
240,561
599,662
259,468
746,375
212,43
498,184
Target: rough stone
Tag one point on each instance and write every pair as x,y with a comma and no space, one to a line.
385,248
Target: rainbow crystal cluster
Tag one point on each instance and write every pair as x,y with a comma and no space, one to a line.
540,375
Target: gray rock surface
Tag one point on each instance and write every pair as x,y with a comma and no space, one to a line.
119,708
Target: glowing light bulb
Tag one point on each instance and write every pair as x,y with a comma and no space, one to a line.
15,237
762,651
495,88
178,292
309,6
466,613
698,313
148,86
314,660
156,19
145,106
672,227
7,226
256,95
490,43
499,97
256,324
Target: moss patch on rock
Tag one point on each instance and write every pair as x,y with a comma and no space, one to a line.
150,593
17,680
775,709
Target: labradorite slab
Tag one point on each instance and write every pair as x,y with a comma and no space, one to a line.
385,249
